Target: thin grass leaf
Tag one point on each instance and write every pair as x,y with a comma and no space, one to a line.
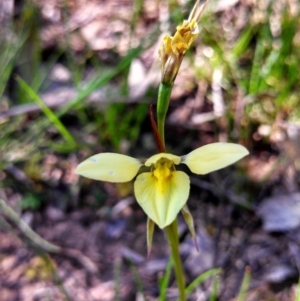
123,65
137,12
8,56
245,285
43,73
105,78
48,112
298,291
164,281
85,92
214,293
270,62
137,279
255,76
101,81
200,279
243,42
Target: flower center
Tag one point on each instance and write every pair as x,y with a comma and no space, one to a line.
162,171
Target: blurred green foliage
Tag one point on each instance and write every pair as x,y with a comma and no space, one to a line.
261,62
31,202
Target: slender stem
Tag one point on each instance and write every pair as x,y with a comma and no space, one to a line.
163,100
172,235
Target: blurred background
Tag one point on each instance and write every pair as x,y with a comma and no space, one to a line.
77,78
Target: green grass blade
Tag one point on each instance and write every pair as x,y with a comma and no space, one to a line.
137,12
163,285
245,285
100,82
200,279
85,92
8,57
270,62
255,76
243,42
137,279
214,293
298,291
48,112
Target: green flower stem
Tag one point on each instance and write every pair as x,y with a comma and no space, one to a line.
172,235
163,100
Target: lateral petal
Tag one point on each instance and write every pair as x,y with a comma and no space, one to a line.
162,201
213,156
110,167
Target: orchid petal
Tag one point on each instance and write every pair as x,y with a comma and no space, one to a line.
152,160
162,201
110,167
213,156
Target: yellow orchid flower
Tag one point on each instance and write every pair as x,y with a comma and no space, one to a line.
162,191
173,48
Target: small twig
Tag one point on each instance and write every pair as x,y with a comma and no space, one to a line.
40,242
26,230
